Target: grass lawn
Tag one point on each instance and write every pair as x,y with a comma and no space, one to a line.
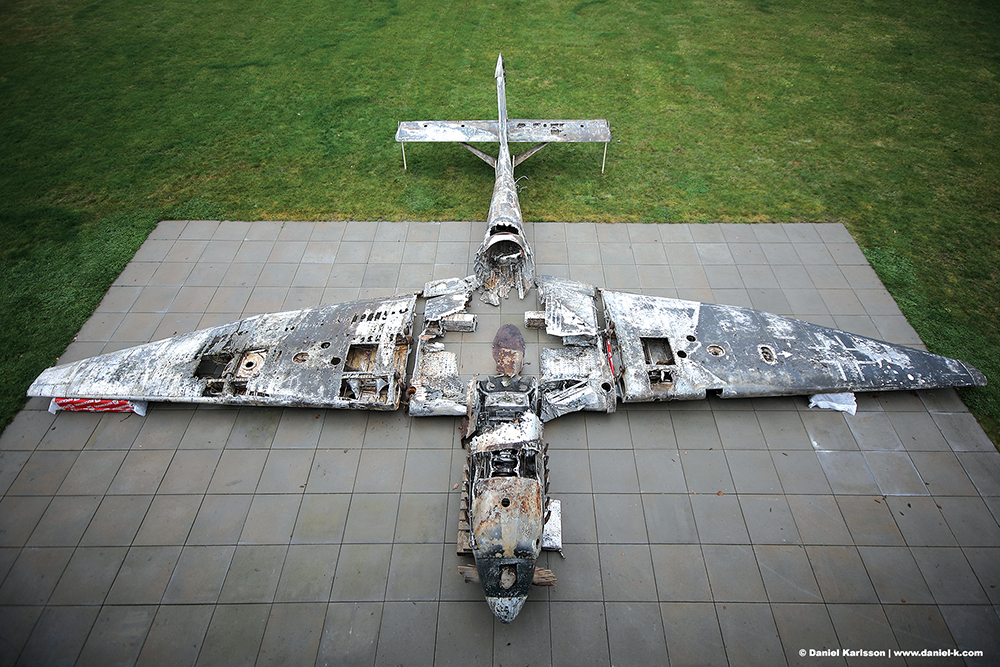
881,115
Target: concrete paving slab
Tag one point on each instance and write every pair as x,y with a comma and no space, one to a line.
712,532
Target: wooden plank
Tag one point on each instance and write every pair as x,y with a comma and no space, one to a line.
543,577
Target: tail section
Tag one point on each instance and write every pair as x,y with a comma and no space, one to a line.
504,260
503,130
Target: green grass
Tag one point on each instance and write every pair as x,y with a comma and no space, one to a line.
881,115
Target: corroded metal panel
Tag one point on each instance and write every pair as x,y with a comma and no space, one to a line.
436,388
575,379
439,307
530,131
504,261
350,355
570,309
448,130
466,286
552,530
675,349
461,322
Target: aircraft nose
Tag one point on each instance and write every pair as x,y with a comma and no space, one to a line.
506,609
506,582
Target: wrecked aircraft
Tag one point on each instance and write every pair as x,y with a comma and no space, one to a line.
615,345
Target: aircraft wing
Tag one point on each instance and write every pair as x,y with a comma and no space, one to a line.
518,131
673,349
660,349
614,344
348,355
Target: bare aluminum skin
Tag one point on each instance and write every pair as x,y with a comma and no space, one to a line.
349,355
673,349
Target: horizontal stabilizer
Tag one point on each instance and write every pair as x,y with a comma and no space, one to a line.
518,130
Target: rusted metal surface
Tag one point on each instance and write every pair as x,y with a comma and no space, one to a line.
542,576
350,355
534,319
506,481
674,349
508,350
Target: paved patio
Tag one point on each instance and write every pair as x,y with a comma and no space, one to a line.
717,532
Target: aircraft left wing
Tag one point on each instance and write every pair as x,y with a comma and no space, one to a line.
348,355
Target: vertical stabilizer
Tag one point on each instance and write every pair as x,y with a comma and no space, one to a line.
501,78
504,259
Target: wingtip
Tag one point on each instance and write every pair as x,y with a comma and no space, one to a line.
498,72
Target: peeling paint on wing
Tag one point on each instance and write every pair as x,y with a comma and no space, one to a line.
674,349
346,355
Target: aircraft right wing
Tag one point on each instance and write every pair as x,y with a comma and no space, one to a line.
659,349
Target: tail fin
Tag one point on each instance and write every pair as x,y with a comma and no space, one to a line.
498,74
504,130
